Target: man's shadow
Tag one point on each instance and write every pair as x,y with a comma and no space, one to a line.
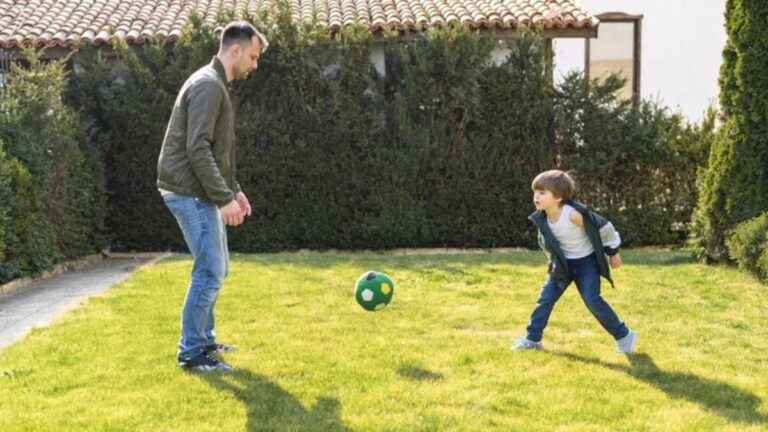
271,408
717,397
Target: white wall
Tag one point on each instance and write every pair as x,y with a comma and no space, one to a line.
378,60
682,44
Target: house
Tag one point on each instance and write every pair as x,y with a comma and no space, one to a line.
61,24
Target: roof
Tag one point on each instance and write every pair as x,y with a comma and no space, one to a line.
66,22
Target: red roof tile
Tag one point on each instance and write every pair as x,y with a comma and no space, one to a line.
63,22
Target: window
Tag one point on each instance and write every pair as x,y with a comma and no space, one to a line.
616,50
5,68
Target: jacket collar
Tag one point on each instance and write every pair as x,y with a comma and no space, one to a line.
218,66
575,204
537,216
578,206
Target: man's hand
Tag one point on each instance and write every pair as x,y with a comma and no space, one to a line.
232,214
245,206
615,261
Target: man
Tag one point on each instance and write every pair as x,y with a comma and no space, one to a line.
196,178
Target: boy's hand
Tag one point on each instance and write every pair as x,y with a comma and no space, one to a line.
615,261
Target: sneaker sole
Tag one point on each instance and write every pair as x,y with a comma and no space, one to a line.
527,348
207,369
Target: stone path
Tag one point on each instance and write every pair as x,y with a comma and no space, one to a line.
39,302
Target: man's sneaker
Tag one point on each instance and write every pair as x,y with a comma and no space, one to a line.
524,344
627,344
205,363
220,348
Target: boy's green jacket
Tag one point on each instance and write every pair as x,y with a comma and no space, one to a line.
596,227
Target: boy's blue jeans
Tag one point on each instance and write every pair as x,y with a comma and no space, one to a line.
206,238
586,274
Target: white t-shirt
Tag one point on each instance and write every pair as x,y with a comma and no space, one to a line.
573,238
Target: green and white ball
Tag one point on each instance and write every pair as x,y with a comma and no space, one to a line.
374,290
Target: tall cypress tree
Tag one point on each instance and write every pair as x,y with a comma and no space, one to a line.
734,187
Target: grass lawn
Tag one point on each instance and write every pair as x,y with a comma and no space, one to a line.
436,359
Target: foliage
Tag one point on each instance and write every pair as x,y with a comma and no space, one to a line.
50,173
734,187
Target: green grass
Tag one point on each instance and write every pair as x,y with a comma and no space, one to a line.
436,359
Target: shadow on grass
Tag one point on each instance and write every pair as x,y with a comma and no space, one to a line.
418,373
271,408
717,397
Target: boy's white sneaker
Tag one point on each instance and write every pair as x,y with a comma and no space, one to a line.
524,344
627,344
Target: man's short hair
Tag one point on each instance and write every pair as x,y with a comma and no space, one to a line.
242,32
560,183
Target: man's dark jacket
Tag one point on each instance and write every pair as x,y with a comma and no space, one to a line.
198,154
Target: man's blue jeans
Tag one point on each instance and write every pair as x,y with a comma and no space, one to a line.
206,238
586,274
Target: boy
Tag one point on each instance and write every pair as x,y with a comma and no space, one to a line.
577,241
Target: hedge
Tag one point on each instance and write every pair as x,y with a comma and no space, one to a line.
439,152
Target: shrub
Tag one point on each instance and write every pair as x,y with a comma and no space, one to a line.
635,165
51,174
747,245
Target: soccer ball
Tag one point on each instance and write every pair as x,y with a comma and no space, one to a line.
374,290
